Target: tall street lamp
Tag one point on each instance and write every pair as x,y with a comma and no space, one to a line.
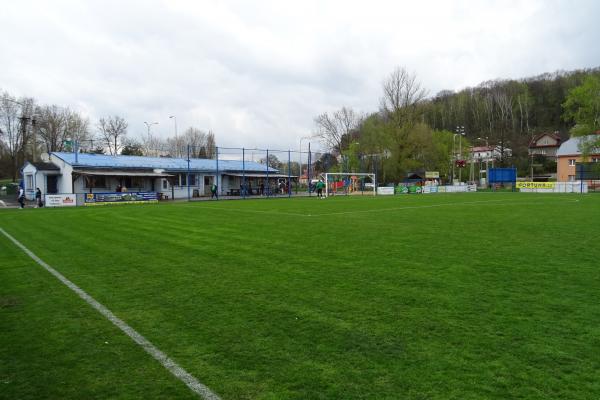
487,157
460,130
453,155
301,139
149,125
174,118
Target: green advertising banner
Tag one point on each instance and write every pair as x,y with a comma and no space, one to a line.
401,189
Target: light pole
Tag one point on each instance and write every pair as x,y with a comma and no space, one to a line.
301,139
176,141
33,134
148,125
453,155
487,158
460,130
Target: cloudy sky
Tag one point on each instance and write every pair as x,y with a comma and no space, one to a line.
257,72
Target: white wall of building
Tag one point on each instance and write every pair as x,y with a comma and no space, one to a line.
30,178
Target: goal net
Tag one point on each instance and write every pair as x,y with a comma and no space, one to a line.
349,184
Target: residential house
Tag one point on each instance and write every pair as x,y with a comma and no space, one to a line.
488,154
545,144
569,155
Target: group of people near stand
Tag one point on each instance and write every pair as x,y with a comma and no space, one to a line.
21,198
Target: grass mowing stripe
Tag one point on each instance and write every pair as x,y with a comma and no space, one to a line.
496,202
161,357
494,301
281,213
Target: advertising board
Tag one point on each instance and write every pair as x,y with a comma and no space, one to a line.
100,199
60,200
385,190
536,185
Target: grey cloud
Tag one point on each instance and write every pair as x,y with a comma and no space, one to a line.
257,73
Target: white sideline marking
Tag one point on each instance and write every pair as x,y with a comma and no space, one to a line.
161,357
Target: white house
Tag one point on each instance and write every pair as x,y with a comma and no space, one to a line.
81,173
488,153
545,144
43,175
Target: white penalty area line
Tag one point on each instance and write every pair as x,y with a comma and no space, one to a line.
158,355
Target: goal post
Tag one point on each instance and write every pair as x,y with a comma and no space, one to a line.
349,183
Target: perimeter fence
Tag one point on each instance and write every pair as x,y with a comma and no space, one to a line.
239,172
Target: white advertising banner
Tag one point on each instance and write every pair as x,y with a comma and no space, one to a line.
429,189
385,190
554,187
60,200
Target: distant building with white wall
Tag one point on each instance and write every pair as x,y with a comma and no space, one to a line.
63,173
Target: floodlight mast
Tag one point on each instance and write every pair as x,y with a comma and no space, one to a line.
460,130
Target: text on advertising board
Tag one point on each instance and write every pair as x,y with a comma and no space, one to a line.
536,185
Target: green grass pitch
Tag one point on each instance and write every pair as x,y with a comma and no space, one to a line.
456,296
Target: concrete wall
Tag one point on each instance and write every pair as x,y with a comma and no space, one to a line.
30,178
64,183
564,170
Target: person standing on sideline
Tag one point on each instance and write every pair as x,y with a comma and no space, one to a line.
38,198
21,197
320,185
213,191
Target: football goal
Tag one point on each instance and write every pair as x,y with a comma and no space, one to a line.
350,183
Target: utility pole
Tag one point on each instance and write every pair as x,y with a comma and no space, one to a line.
176,140
33,137
460,130
149,125
453,155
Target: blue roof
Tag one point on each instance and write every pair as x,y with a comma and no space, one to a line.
168,164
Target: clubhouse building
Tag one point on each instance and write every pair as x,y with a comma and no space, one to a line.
83,175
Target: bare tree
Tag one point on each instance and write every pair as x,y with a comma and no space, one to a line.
504,109
271,162
333,129
488,106
196,139
153,146
211,145
78,128
402,93
51,123
201,144
176,146
15,129
55,125
112,132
